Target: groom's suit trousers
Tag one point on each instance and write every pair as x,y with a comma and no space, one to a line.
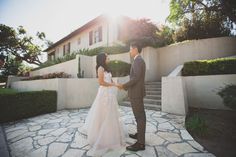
140,117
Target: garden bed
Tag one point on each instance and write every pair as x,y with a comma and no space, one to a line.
217,132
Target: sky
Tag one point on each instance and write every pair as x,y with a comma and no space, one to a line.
58,18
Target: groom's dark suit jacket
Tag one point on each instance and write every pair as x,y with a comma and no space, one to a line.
136,87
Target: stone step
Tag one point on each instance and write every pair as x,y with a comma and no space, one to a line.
149,96
155,97
152,101
153,92
146,106
152,83
153,89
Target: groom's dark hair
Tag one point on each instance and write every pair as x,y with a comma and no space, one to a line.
136,44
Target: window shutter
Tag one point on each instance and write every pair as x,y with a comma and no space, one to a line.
64,50
90,37
100,33
68,48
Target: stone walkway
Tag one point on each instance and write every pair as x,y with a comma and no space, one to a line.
59,134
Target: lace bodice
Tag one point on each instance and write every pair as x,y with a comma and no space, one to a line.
107,77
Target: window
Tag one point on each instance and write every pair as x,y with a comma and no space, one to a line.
95,36
90,37
66,49
51,56
98,35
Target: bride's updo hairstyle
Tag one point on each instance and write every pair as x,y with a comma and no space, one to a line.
101,61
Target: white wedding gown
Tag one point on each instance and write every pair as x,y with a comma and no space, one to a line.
103,125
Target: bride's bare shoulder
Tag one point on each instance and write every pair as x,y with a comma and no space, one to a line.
100,69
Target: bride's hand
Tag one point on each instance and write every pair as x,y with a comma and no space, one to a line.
114,84
119,86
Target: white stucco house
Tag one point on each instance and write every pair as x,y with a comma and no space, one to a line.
169,90
101,31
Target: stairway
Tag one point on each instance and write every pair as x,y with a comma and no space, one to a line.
152,100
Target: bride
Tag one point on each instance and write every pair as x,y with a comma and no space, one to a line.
103,127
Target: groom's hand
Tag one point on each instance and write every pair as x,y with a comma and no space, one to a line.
120,86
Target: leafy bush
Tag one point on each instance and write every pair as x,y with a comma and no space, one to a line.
164,35
88,52
228,94
48,76
3,78
48,63
24,70
109,50
119,68
196,125
210,67
16,106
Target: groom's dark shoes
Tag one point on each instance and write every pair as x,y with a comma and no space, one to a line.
136,147
134,136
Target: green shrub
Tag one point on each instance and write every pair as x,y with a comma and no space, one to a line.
119,68
16,106
210,67
48,63
109,50
48,76
228,94
197,125
88,52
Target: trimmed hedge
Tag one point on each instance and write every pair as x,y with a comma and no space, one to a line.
210,67
15,106
119,68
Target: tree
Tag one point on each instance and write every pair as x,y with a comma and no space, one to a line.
2,60
142,30
11,67
197,19
18,44
179,9
164,35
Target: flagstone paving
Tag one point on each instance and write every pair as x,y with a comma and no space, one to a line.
59,134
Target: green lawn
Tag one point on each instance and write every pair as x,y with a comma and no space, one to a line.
7,91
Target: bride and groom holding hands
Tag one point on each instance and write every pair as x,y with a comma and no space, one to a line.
103,126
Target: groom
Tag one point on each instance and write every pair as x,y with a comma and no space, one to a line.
136,92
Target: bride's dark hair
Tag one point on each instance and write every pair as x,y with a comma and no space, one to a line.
101,61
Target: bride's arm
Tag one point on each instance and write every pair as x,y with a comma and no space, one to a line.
101,78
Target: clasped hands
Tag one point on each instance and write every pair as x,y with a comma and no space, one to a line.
118,85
